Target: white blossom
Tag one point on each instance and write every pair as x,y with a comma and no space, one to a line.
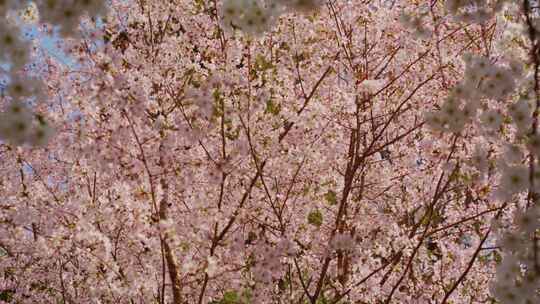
15,122
491,120
67,13
480,159
528,220
514,179
521,113
513,153
12,48
342,241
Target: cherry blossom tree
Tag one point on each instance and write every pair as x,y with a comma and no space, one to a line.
245,151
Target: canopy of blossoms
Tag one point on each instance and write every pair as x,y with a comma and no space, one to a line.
270,151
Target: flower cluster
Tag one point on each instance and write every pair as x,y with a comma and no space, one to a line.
482,80
9,5
518,277
491,120
204,96
415,24
305,6
67,13
13,49
255,17
16,124
521,113
269,262
342,241
21,87
480,159
474,11
250,16
489,80
514,179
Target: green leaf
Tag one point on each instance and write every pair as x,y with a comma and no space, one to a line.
233,297
283,284
497,257
300,57
323,300
262,64
331,197
230,297
315,218
6,295
272,107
